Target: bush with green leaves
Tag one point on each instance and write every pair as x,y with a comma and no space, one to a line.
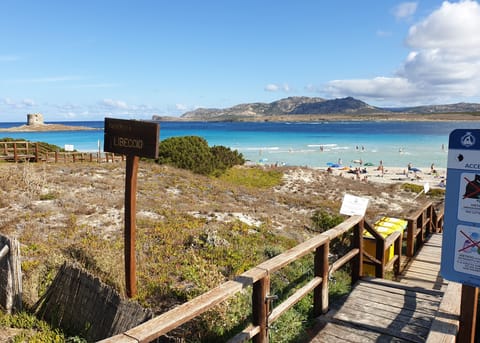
193,153
323,221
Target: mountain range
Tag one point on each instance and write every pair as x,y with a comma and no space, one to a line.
309,108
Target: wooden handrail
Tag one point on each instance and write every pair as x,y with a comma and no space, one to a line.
259,278
382,245
422,222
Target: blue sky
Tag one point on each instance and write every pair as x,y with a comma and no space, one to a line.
84,60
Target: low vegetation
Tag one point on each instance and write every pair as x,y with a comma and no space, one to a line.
194,231
193,153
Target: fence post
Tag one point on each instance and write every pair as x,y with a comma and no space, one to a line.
260,308
423,219
468,314
380,256
320,293
10,275
397,251
357,262
15,157
411,228
37,154
430,219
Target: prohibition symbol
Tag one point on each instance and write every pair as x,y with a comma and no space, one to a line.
472,243
472,190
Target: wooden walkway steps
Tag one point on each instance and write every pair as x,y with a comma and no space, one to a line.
412,310
424,269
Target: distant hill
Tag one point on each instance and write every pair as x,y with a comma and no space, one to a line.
310,108
461,107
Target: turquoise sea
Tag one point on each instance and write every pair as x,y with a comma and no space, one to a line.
311,144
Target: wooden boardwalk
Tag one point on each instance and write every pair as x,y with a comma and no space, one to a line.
379,310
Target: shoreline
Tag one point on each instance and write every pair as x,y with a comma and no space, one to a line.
46,127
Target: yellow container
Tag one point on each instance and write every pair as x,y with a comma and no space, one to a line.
384,226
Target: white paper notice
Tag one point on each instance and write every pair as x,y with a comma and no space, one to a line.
353,205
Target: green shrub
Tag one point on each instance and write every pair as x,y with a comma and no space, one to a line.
434,192
35,330
193,153
323,221
225,158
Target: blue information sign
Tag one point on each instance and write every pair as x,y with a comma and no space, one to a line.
461,235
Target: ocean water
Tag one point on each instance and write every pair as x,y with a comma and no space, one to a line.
313,144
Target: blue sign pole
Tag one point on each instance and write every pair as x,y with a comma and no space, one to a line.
461,233
461,236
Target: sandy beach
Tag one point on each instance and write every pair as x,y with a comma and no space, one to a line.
435,178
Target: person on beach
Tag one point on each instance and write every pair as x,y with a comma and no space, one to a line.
414,170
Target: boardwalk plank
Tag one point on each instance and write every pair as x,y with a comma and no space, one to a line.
339,331
378,310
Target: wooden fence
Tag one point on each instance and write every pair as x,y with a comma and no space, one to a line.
420,223
23,151
10,275
423,221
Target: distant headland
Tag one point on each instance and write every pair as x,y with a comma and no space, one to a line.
36,123
300,108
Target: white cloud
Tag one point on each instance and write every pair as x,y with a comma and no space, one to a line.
18,104
115,104
405,10
444,62
272,87
381,33
181,107
454,26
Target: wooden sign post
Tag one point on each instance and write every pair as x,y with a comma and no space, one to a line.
134,139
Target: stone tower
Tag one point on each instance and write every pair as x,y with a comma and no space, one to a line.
35,119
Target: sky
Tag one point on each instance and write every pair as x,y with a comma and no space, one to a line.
85,60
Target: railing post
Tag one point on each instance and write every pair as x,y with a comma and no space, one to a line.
468,314
380,255
260,308
320,293
422,226
357,262
397,251
15,157
411,228
37,153
430,219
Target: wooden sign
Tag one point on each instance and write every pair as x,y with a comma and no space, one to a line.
134,139
131,137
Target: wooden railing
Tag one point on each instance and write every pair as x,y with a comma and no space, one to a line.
66,157
20,151
382,246
259,278
427,219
